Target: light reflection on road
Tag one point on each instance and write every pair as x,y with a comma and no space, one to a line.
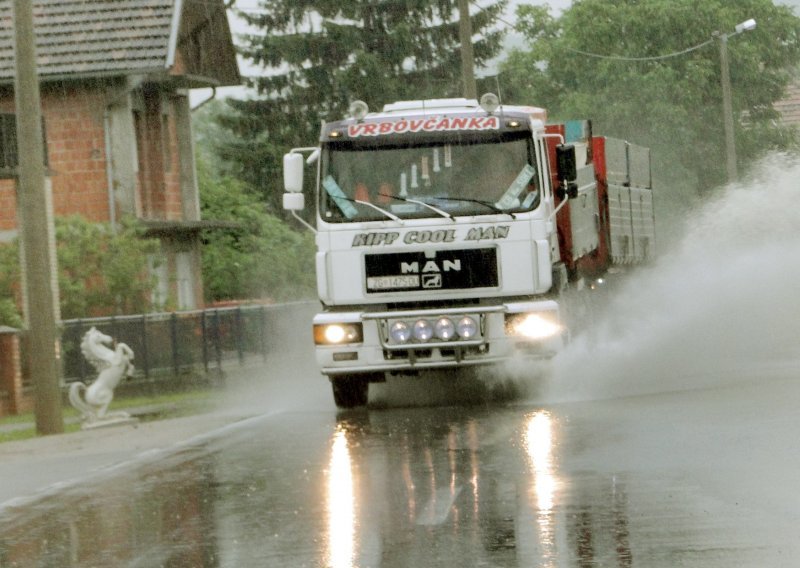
539,446
341,504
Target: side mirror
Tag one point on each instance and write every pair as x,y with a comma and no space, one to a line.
294,201
293,172
566,163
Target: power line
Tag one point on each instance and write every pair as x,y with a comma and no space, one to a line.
652,58
613,57
566,48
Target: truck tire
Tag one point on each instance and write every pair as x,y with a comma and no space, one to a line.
349,391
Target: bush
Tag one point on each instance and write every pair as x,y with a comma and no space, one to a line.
100,272
8,313
262,258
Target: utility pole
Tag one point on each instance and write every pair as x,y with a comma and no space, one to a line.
727,106
34,228
467,56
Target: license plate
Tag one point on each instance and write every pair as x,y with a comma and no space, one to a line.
392,282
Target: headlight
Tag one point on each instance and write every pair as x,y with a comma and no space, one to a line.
444,328
400,332
338,333
533,325
467,328
423,330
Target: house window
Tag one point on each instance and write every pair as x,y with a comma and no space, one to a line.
143,171
166,140
184,281
158,268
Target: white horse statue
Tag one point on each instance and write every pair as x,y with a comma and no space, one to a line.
112,366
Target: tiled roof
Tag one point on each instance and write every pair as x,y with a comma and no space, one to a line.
92,37
789,106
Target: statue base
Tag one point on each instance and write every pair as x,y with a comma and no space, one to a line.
110,421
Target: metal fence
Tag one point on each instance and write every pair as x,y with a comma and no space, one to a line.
174,344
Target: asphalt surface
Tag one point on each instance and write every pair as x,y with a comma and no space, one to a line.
700,477
30,469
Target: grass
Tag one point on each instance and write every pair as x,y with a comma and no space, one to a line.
28,433
170,405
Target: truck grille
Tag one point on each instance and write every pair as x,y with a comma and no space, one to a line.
458,353
443,270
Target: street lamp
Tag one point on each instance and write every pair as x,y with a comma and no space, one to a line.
727,106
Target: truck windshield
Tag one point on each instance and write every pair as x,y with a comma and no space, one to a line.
369,182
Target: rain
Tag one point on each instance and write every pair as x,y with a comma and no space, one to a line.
661,433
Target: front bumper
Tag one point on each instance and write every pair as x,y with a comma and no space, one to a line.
374,350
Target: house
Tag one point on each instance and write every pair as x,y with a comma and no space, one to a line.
114,78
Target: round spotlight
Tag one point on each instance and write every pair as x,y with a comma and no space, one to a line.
400,332
489,102
467,327
423,330
358,109
444,328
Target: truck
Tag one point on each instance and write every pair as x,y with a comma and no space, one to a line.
454,233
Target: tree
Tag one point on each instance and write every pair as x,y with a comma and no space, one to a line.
320,56
8,313
103,272
210,137
263,258
672,105
100,271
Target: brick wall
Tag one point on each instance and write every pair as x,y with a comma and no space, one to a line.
76,145
11,397
76,148
789,106
173,204
159,165
8,204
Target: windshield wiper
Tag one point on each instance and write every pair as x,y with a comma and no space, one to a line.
488,204
418,202
338,196
391,216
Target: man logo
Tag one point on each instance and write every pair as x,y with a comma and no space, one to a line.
431,280
431,266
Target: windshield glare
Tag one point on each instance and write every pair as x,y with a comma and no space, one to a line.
470,178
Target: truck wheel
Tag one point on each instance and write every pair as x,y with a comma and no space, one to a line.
350,391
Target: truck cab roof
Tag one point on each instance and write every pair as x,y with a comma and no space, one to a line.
451,106
437,114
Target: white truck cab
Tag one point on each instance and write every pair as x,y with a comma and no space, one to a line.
437,237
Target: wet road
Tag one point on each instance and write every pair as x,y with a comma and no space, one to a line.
694,478
667,437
